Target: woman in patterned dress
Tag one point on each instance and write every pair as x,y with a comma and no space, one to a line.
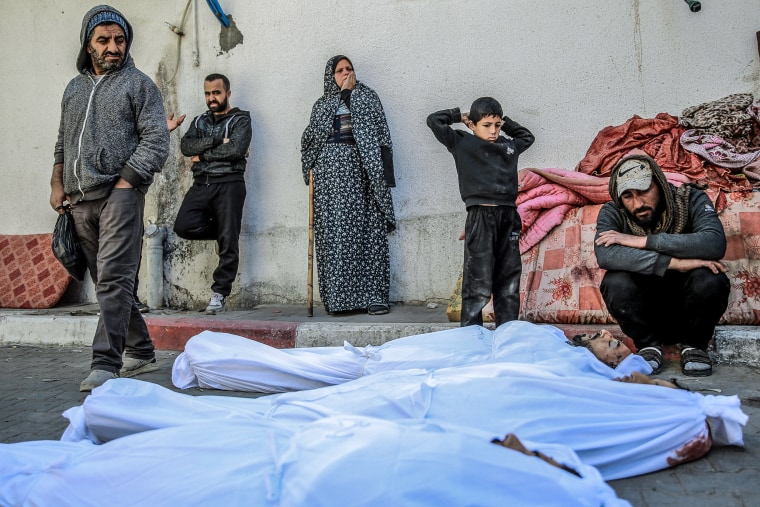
347,148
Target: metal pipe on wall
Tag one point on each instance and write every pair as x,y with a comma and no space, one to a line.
155,237
196,50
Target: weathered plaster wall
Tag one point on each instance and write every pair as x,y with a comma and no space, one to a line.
563,69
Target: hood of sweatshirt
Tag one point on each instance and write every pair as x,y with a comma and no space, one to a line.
657,175
84,62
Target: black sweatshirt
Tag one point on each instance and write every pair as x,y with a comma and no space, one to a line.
487,170
703,238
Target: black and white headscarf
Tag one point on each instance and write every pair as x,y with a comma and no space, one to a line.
370,130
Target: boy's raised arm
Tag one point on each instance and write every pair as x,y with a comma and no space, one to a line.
440,123
522,136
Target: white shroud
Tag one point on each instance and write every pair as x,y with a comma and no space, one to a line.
224,361
344,460
622,429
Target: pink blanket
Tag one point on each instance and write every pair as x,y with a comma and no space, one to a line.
545,196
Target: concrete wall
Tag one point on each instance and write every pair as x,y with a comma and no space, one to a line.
563,69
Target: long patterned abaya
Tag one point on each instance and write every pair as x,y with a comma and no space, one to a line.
353,209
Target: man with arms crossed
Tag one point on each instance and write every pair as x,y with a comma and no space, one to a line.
217,144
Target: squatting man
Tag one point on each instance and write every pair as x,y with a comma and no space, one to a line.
661,246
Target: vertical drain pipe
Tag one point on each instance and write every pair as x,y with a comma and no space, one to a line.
155,237
196,50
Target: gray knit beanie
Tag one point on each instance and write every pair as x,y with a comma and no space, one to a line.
106,17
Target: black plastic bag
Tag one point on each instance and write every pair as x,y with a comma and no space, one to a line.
66,246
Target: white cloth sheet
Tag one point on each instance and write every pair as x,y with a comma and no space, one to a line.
345,460
394,435
224,361
622,429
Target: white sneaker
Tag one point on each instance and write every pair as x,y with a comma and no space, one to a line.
216,305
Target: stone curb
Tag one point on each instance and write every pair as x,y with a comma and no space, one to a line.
48,331
171,333
737,345
732,344
320,334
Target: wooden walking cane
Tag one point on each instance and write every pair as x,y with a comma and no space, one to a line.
310,271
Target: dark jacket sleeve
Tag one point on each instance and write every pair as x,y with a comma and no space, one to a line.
386,147
386,152
237,147
624,258
193,143
705,240
345,96
440,123
522,136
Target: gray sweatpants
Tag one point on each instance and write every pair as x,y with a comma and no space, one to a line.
110,232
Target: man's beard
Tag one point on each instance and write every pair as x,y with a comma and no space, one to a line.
217,107
99,60
651,221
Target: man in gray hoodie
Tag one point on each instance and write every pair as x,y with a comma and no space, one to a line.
111,140
661,247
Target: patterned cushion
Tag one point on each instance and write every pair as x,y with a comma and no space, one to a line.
30,276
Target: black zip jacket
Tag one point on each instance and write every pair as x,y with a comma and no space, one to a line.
220,161
704,238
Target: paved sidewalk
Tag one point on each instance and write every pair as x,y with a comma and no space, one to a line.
39,383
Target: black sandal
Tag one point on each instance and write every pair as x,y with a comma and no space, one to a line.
378,309
653,356
693,362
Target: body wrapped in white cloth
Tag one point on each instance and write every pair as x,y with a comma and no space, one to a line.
342,460
622,429
224,361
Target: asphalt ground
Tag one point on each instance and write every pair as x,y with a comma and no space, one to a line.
39,383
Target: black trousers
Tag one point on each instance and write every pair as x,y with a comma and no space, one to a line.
215,212
675,308
492,264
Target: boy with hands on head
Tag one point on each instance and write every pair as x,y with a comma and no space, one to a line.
486,164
